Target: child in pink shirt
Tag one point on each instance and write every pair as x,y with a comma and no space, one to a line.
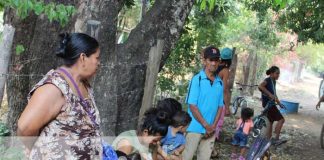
240,139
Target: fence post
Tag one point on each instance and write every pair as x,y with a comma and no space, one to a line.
232,71
5,54
93,27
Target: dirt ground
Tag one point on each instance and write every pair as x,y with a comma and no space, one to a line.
302,130
308,121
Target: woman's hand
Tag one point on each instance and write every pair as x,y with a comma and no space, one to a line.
318,105
272,97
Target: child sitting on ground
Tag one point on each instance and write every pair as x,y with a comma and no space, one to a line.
240,139
173,143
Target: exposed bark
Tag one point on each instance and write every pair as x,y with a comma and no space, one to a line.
5,53
144,7
232,71
119,86
152,71
105,83
253,75
17,87
246,71
39,38
164,21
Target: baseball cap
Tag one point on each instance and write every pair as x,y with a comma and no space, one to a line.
226,53
211,53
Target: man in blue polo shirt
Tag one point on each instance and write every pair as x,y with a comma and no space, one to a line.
205,102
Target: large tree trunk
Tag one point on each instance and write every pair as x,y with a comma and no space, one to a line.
119,86
40,40
164,21
18,86
5,53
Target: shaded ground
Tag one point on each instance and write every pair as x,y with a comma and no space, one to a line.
308,122
302,130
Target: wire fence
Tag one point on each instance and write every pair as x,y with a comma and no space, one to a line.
113,94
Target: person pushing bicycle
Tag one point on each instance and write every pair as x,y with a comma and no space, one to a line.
268,90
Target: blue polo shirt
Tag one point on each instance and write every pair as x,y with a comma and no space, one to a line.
207,96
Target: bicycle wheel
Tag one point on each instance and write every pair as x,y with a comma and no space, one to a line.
321,89
261,126
242,103
234,106
322,137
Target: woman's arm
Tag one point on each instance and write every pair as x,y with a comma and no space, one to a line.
124,146
225,76
44,105
264,90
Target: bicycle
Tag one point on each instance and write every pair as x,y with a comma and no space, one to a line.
261,144
261,122
259,149
240,101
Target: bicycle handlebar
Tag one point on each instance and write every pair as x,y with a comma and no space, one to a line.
246,85
272,103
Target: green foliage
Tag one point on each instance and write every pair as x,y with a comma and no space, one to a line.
129,3
306,18
4,131
232,26
263,35
245,31
130,17
200,31
210,5
19,49
173,77
262,6
54,12
206,26
313,56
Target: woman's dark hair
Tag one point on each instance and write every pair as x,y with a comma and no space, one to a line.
134,156
72,45
181,118
272,69
228,62
170,106
155,122
123,156
246,114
